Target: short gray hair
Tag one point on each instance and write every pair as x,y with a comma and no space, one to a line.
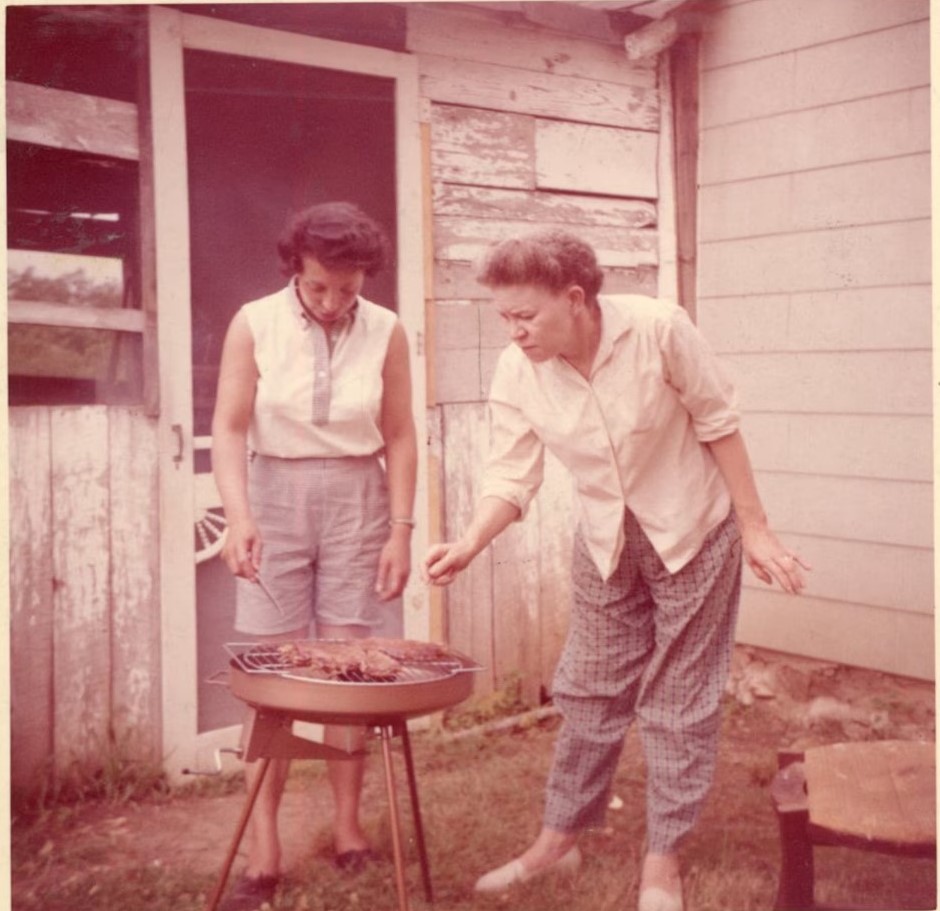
551,259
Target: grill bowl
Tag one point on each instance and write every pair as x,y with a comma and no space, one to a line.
425,690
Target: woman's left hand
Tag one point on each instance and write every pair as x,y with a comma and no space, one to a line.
394,565
770,560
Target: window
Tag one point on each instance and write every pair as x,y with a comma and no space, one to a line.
75,333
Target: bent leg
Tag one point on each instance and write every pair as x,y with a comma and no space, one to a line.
679,706
596,684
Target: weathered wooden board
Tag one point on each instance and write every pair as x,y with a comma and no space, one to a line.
876,63
41,313
465,239
517,640
873,510
818,138
583,158
893,641
487,37
870,192
752,30
31,598
482,148
450,80
866,256
849,319
469,599
863,382
457,326
556,522
457,281
70,120
135,613
893,447
458,377
81,566
542,206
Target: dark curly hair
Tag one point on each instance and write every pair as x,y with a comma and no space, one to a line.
552,259
339,235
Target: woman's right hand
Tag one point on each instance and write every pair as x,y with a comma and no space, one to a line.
443,562
242,549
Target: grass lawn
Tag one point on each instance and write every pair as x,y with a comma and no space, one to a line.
481,798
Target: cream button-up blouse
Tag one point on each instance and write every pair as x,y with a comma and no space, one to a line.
632,436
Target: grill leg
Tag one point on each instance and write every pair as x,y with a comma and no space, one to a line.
387,733
416,810
216,896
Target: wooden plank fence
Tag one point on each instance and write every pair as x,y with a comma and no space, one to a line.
84,618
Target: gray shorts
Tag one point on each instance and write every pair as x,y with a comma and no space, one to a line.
323,524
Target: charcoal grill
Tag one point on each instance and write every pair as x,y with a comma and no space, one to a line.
279,693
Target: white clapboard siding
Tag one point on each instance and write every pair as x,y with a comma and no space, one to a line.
541,206
894,641
465,239
856,382
864,130
870,255
590,159
31,594
70,120
872,510
875,575
81,568
482,148
838,320
762,29
135,621
814,273
450,80
889,446
483,38
891,189
873,63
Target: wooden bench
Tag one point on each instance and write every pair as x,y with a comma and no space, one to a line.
877,796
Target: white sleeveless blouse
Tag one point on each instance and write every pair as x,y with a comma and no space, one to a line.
311,402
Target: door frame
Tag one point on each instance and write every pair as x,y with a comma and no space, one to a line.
170,32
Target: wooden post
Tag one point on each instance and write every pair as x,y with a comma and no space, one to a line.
684,58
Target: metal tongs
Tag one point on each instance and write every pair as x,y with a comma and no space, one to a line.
270,597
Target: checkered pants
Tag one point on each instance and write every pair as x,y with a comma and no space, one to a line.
654,646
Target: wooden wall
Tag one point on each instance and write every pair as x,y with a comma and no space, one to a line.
84,604
814,282
527,128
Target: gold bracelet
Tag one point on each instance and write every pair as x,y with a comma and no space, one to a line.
401,521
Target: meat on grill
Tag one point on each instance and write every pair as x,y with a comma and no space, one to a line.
359,659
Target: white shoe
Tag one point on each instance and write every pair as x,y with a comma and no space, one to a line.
509,875
656,899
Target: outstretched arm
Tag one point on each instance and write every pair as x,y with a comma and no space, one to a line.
763,552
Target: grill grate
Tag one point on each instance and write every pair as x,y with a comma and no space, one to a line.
255,658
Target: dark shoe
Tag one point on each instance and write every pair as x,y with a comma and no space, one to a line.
355,861
250,893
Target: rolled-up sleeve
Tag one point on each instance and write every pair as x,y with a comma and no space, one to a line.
700,379
515,464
